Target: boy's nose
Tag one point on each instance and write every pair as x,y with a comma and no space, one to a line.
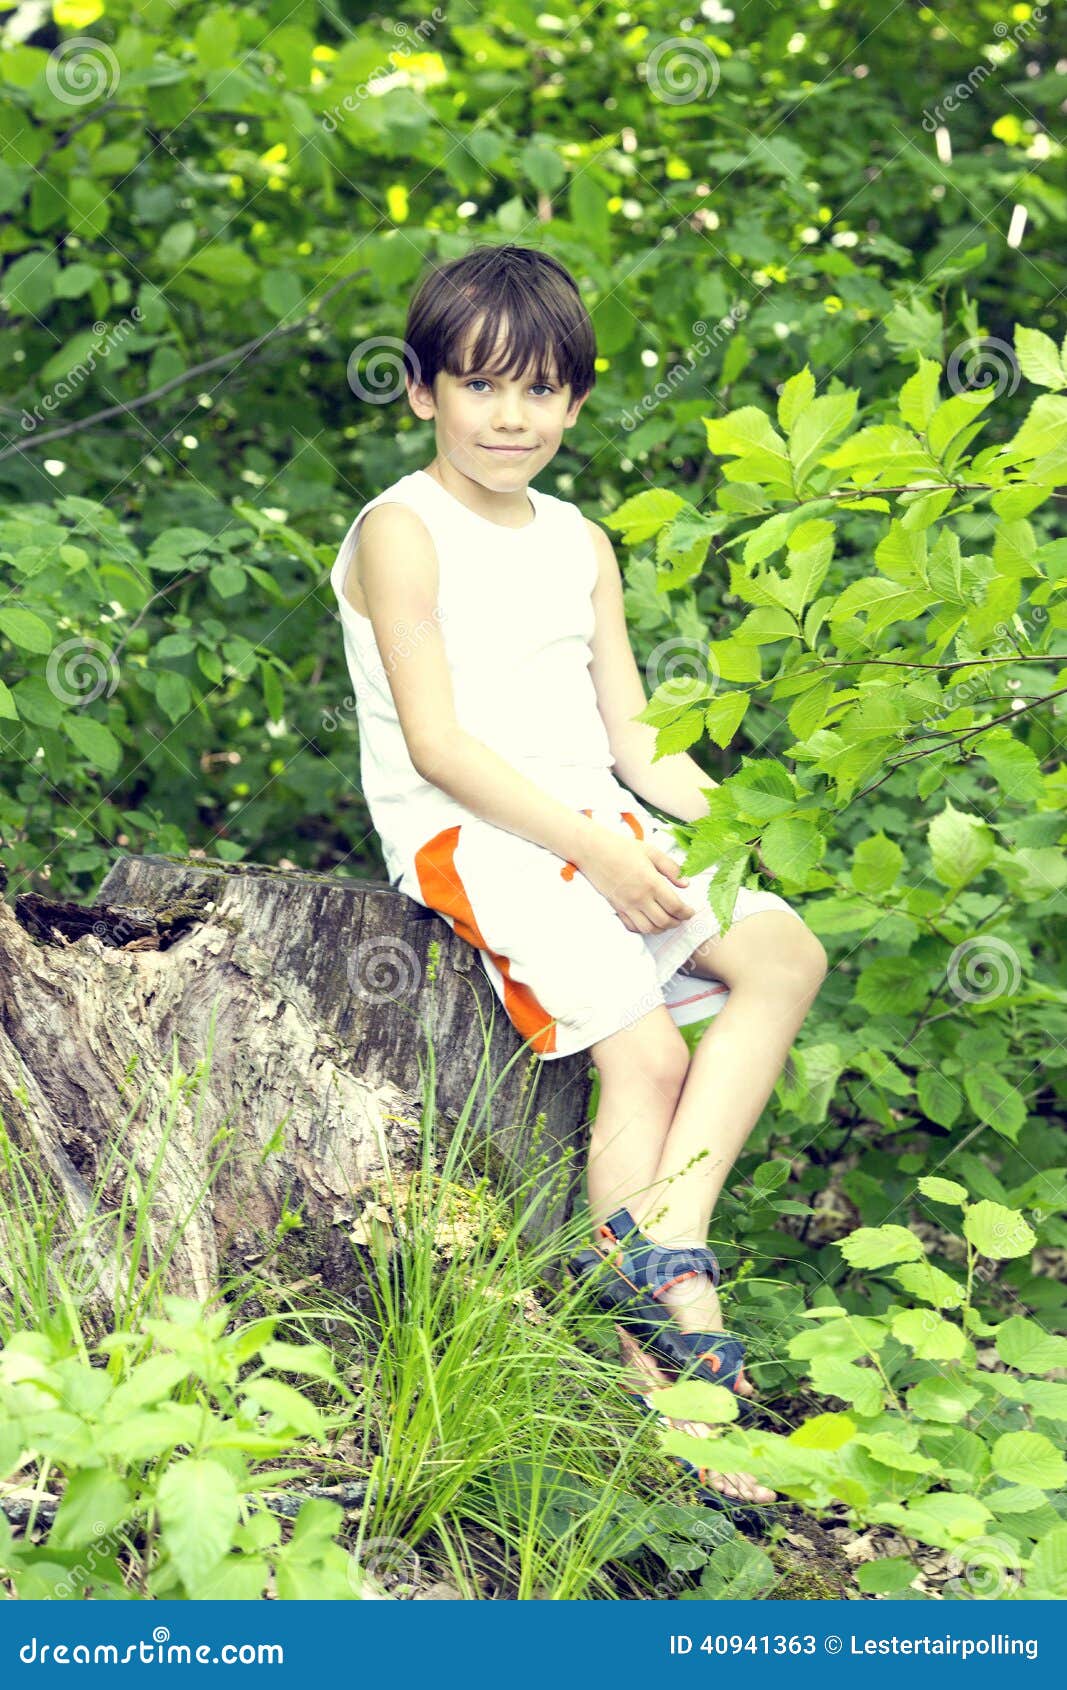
509,414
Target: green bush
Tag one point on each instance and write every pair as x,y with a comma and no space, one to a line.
953,1448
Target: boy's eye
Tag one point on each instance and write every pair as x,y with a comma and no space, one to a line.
476,381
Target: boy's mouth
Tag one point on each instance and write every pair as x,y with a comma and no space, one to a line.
509,451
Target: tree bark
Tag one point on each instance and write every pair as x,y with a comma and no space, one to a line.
296,1006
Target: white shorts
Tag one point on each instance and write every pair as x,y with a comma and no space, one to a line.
565,968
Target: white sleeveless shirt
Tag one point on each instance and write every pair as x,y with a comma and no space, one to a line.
515,612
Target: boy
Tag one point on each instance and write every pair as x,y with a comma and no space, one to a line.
496,696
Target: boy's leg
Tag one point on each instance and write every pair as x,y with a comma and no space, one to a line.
774,966
642,1069
643,1072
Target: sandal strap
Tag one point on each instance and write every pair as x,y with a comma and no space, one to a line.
658,1267
721,1353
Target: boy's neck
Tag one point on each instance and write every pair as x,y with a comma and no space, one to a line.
511,509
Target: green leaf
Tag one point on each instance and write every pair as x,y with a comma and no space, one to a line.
942,1190
28,282
747,432
961,846
888,1577
763,776
819,423
711,1405
880,1246
215,38
149,1382
1048,1563
770,1176
994,1100
141,1437
733,660
929,1335
939,1099
771,535
173,694
791,847
236,1578
225,264
198,1509
673,698
174,645
282,292
680,735
797,393
96,743
943,1518
645,514
313,1359
25,630
891,985
588,206
824,1431
942,1399
998,1232
1015,767
228,579
891,1451
94,1502
876,864
1016,1499
838,1334
1022,1343
724,716
918,397
1042,1396
954,416
1029,1458
883,1071
543,166
736,1572
914,327
861,1387
291,1408
1038,358
923,1279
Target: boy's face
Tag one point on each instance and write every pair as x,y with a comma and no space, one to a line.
500,430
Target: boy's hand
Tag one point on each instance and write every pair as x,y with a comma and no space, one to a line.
637,879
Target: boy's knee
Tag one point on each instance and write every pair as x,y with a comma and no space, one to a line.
771,947
656,1057
800,959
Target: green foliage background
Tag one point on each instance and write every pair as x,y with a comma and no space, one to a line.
823,246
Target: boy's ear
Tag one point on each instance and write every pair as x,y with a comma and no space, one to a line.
573,409
420,398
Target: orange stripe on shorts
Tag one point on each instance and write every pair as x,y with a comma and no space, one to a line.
444,891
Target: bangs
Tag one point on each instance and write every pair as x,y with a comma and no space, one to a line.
502,310
526,338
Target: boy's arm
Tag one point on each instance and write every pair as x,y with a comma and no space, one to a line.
398,575
673,784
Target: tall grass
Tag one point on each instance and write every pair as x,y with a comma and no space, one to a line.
490,1422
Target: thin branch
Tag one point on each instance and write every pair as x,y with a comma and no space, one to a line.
955,739
234,353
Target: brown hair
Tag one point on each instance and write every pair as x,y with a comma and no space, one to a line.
535,293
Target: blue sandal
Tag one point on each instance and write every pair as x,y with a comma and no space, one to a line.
629,1287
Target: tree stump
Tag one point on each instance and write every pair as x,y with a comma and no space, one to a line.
297,1005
